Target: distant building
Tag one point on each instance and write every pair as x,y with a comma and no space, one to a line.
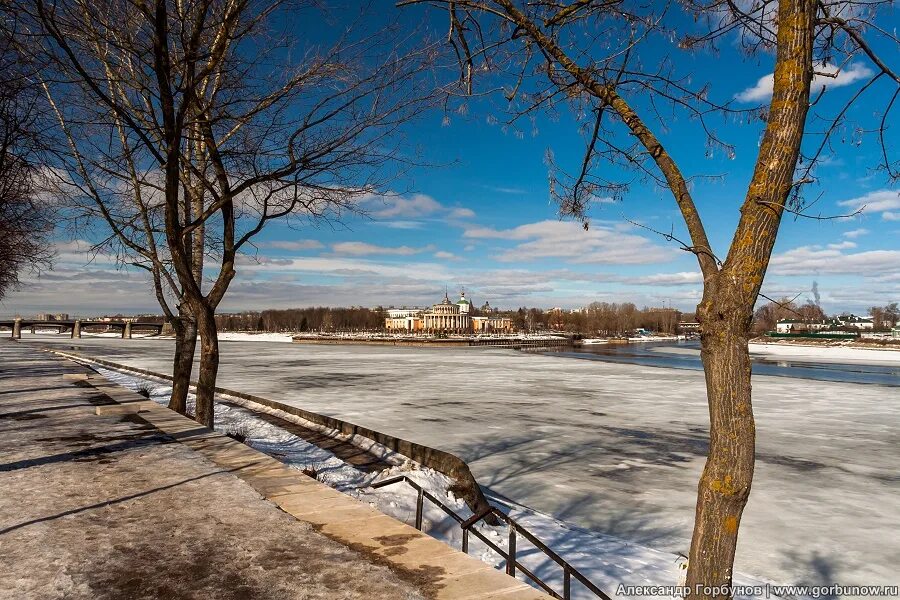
488,324
689,327
52,317
399,313
831,324
404,319
791,326
447,316
856,322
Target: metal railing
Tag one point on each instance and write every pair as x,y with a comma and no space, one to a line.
509,555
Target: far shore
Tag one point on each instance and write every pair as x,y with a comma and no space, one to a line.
827,350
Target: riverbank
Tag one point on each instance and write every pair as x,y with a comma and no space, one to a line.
427,341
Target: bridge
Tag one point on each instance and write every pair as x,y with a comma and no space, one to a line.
78,325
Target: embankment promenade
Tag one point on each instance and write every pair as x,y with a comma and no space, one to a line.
108,495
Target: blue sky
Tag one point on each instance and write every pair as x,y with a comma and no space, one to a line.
482,219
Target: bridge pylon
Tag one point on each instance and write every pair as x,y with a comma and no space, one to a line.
17,329
76,330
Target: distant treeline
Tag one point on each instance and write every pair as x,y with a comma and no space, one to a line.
599,318
768,315
319,318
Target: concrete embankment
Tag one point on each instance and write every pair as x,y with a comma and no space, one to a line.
107,495
443,462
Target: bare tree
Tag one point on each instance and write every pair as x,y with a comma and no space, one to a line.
100,165
24,221
612,62
236,123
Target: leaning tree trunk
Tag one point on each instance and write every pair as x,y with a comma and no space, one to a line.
725,484
183,363
209,366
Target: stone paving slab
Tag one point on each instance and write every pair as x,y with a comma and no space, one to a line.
99,501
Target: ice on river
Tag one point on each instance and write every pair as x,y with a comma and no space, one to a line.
615,448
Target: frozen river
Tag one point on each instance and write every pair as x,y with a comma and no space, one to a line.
610,446
864,366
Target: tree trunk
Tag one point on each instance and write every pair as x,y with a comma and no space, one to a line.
725,484
183,363
209,367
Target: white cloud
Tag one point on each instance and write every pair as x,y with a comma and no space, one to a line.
568,241
850,74
761,91
445,255
682,278
505,190
400,210
293,245
879,201
394,206
807,260
365,249
845,245
400,224
462,213
855,233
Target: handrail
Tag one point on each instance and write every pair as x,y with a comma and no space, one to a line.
467,526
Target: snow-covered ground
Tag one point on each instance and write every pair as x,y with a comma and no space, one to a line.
840,354
800,353
613,448
240,336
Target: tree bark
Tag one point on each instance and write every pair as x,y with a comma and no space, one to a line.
725,484
209,367
183,362
726,311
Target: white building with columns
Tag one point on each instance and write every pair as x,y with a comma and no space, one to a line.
448,316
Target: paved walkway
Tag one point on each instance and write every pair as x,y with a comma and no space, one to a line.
106,495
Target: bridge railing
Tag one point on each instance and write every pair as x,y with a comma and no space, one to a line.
509,555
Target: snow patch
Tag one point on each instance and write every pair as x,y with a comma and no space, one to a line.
834,354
